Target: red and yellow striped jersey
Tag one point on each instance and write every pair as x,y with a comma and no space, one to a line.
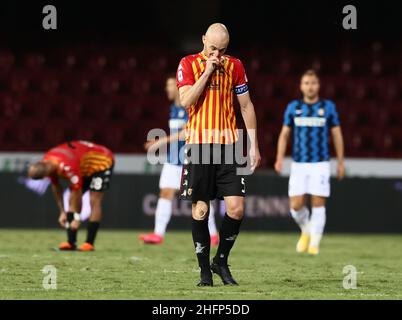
212,118
79,159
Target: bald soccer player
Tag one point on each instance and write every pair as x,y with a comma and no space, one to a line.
169,182
207,81
86,166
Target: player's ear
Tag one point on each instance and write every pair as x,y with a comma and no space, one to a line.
203,39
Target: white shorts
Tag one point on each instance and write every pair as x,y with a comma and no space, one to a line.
309,178
170,176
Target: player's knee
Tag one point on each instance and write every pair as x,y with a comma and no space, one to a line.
166,194
296,204
318,202
200,211
235,211
297,207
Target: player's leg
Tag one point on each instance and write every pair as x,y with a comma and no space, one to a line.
231,186
99,184
71,243
317,223
301,215
319,188
169,184
163,214
201,239
198,186
95,199
297,200
228,234
73,206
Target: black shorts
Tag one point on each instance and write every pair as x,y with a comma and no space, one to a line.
210,175
99,181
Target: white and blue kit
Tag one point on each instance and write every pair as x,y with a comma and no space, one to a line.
171,171
311,123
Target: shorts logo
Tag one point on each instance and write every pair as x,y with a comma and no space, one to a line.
96,183
244,186
190,191
310,122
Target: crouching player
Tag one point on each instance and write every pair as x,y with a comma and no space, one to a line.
87,166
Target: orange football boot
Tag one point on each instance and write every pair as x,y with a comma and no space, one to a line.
151,238
86,247
66,246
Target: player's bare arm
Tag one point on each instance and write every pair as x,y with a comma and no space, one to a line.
154,145
189,94
75,204
250,120
281,149
339,150
58,196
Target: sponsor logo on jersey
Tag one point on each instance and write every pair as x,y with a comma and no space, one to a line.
310,121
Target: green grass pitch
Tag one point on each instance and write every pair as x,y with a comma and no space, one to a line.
265,264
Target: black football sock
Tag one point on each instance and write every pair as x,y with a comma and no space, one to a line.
92,229
227,236
71,234
202,243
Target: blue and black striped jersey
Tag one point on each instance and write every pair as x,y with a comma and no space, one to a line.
310,124
177,122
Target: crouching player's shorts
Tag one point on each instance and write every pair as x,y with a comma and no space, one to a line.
309,178
99,181
210,172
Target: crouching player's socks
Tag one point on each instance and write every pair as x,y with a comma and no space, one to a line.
301,217
71,243
227,236
92,229
202,246
317,225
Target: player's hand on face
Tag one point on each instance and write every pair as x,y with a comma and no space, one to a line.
255,158
75,224
62,219
212,63
341,170
278,166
